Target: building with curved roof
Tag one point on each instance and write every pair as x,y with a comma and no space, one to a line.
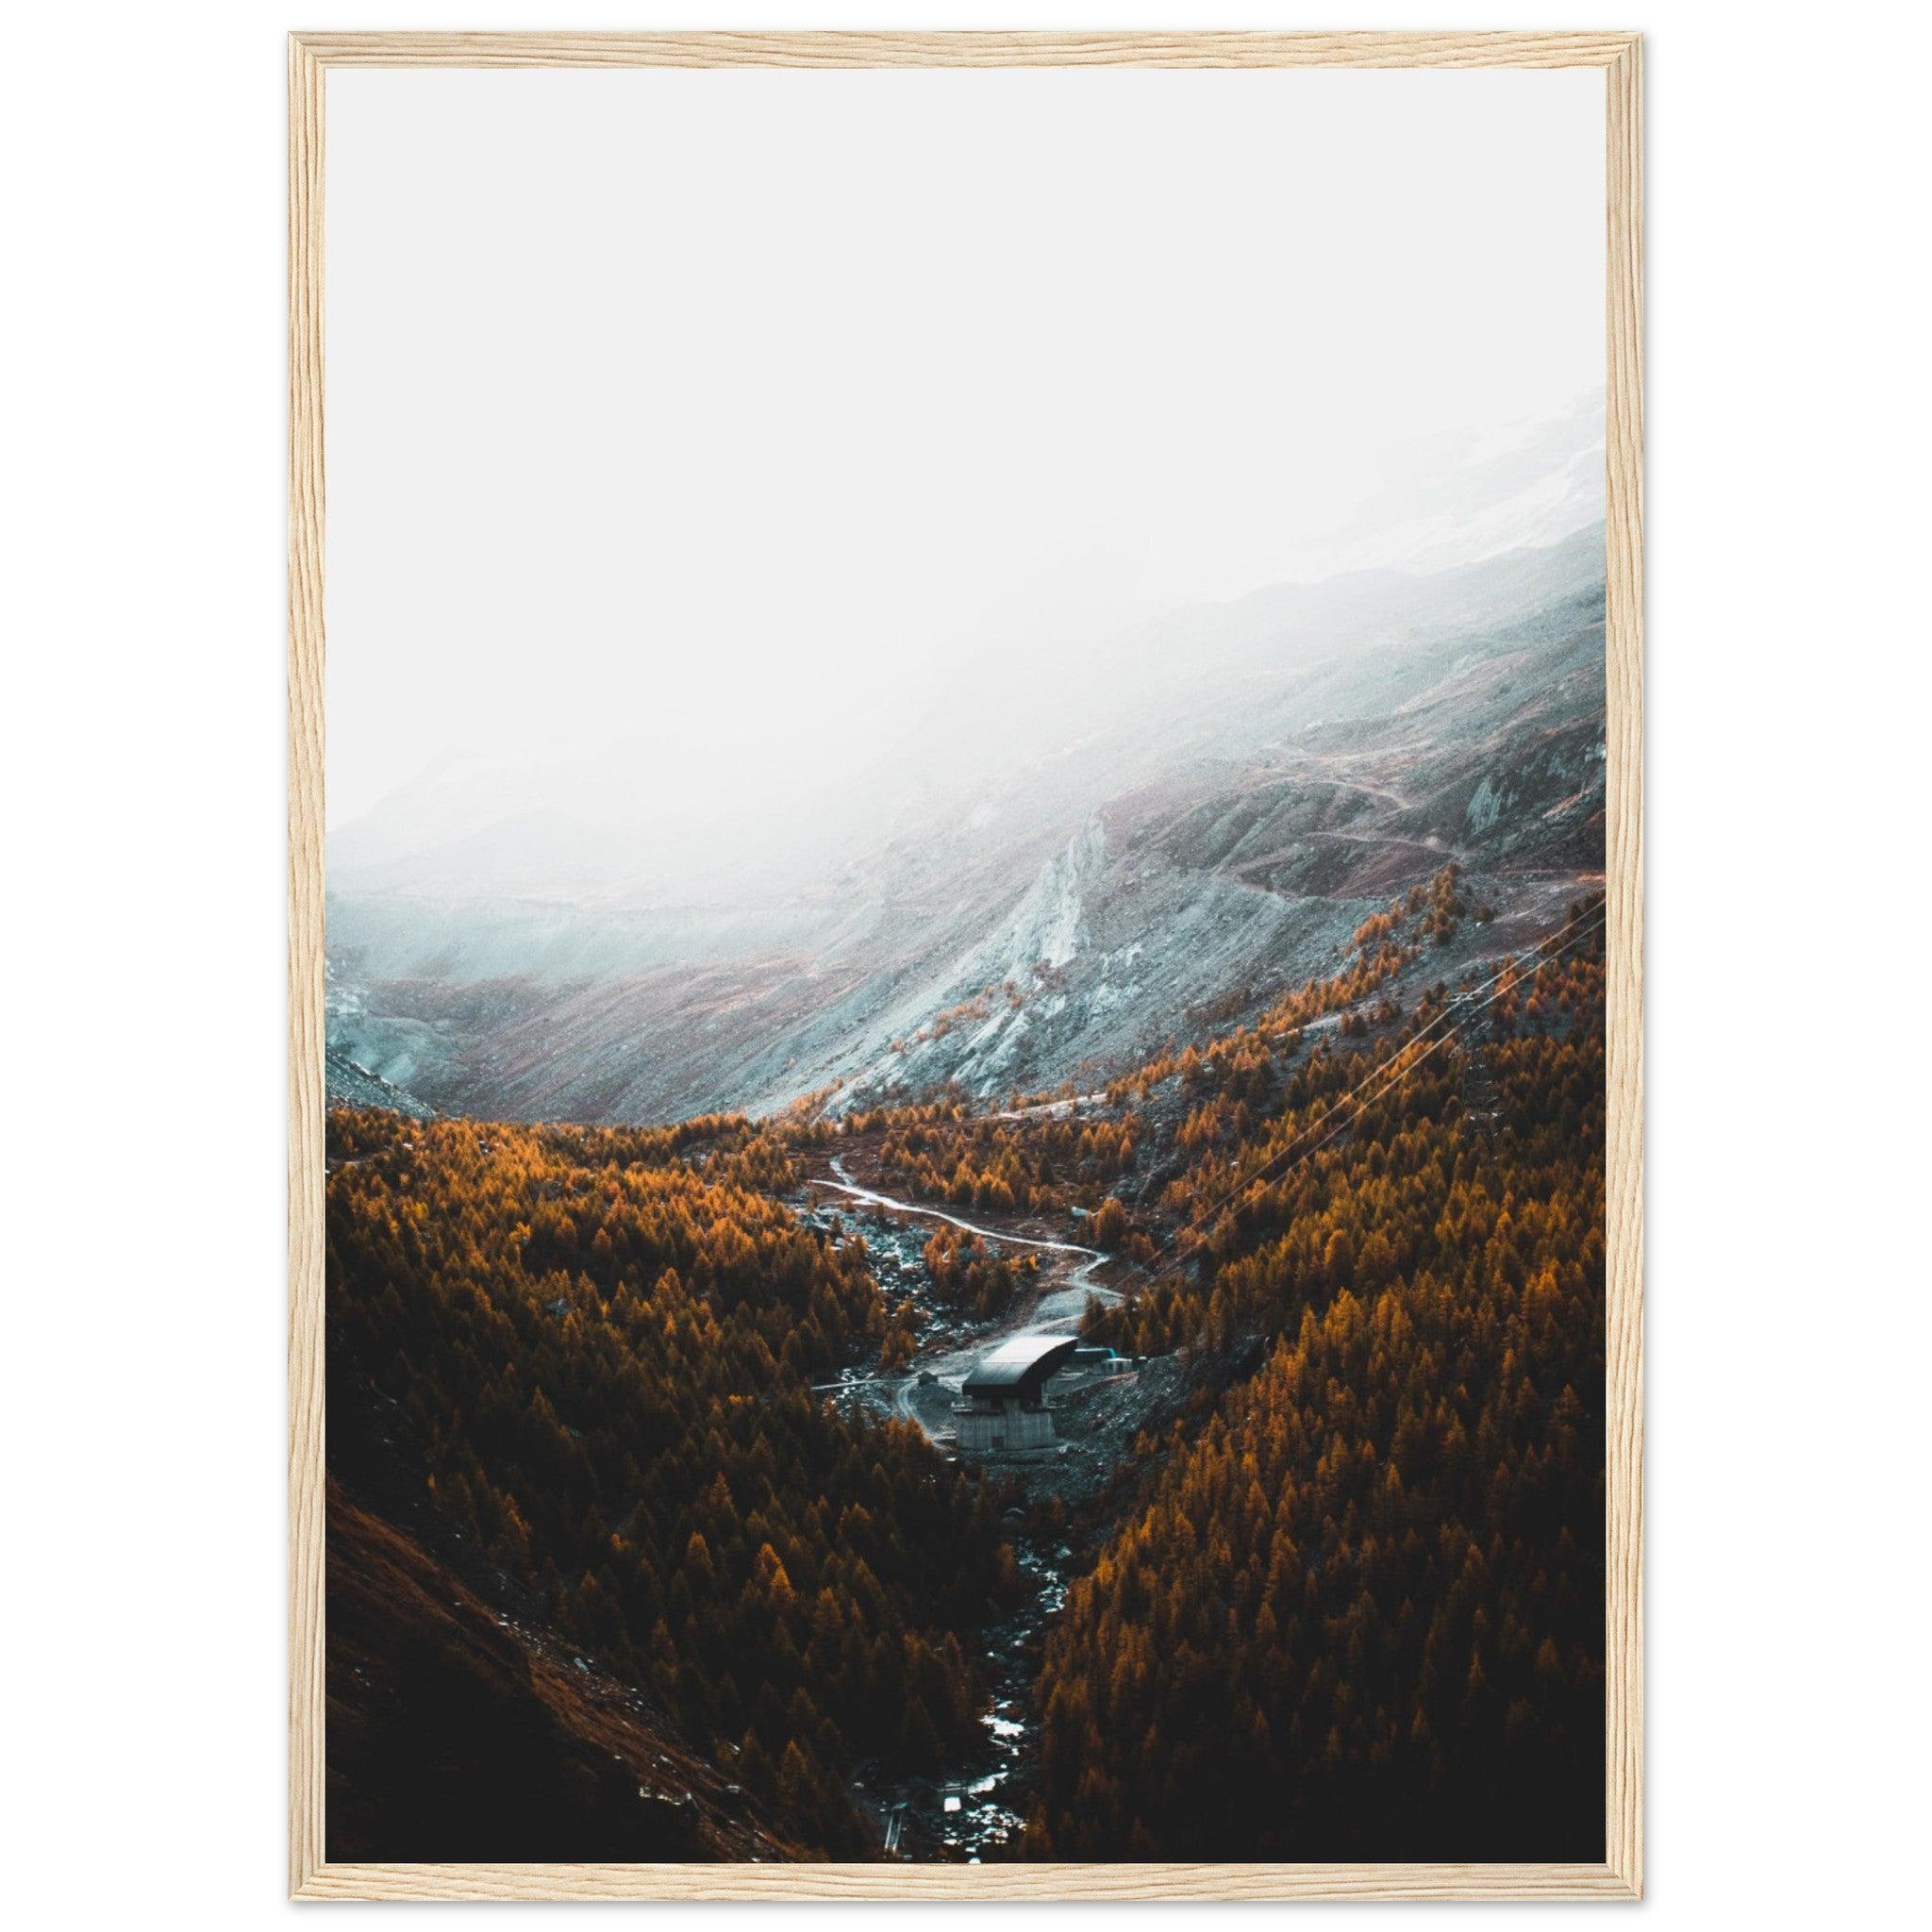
1023,1363
1005,1403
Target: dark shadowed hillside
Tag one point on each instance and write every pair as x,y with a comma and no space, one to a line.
457,1731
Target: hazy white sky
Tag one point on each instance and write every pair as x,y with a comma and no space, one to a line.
742,407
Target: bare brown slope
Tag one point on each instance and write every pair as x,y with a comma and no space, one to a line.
456,1734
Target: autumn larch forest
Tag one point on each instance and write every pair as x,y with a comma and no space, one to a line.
655,1531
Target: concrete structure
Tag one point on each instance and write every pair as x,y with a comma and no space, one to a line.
1004,1399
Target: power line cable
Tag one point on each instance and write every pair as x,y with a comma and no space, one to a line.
1388,1074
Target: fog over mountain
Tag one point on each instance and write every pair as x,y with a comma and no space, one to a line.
1015,864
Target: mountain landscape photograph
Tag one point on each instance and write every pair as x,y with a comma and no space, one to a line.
966,969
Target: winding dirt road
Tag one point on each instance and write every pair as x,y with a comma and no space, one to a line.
1055,1310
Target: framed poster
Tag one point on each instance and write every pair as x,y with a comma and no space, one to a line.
965,1142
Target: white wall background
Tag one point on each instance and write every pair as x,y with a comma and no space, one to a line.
143,798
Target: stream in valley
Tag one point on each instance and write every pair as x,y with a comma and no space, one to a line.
975,1811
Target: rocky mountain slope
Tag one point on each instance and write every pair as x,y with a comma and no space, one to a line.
356,1086
1181,824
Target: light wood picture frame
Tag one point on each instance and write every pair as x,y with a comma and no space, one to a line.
312,57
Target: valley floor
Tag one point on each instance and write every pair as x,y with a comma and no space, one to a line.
977,1809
